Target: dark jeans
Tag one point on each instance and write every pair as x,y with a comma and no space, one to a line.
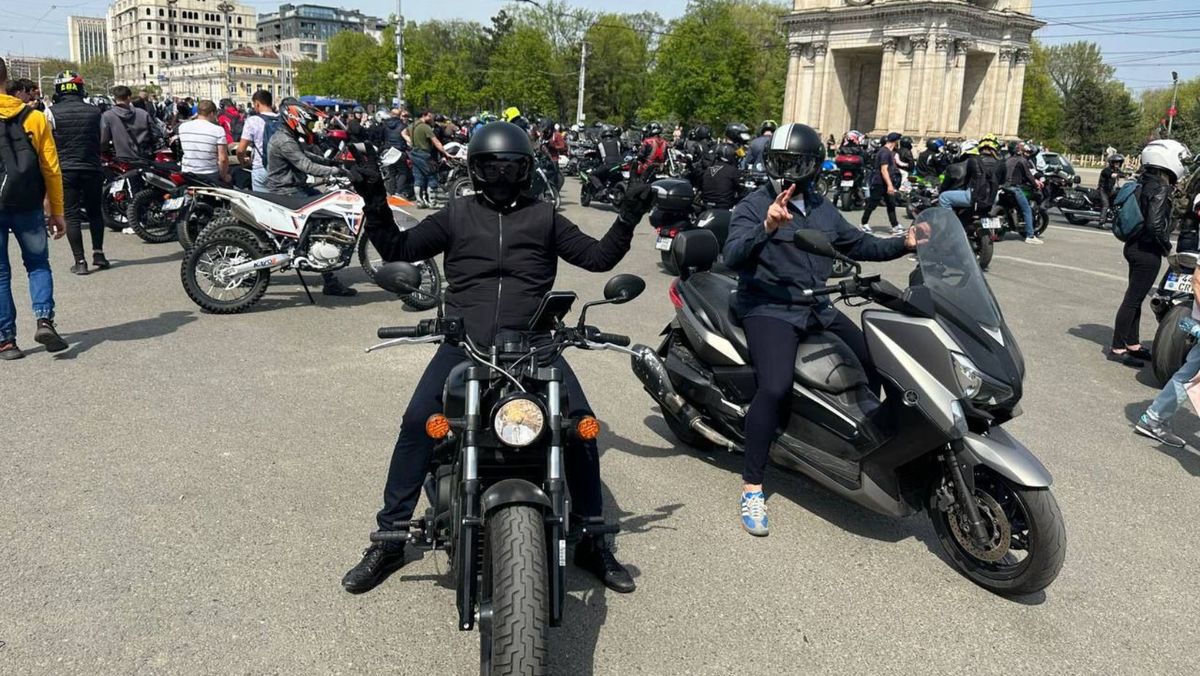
879,194
398,179
773,344
82,192
414,450
601,175
1145,260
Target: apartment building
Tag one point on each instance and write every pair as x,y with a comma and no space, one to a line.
87,37
304,31
145,36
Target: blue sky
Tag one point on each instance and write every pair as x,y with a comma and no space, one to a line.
1144,39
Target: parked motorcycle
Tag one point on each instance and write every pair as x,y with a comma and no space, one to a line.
952,376
546,184
120,179
827,179
1079,205
1171,301
430,284
498,499
849,192
156,210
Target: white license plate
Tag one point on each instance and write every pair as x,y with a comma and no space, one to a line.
1178,282
847,184
625,174
663,243
990,223
174,203
116,187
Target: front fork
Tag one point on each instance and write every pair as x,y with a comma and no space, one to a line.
963,490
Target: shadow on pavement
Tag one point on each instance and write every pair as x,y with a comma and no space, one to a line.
1095,333
138,329
1184,424
175,255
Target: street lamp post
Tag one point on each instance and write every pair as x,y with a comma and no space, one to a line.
399,55
225,8
1174,99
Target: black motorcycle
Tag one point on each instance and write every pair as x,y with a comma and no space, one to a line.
498,499
614,185
1171,301
1011,217
156,210
1079,205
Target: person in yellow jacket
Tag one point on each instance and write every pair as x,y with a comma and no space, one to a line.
24,194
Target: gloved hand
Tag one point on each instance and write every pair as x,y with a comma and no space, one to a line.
1190,327
638,200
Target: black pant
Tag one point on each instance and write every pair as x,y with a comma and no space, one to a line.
600,176
399,179
879,194
773,345
1145,260
414,450
82,191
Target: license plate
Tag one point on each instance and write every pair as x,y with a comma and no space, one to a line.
990,223
116,187
1178,282
625,174
663,243
847,184
174,203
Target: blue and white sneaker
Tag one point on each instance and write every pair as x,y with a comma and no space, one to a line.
754,513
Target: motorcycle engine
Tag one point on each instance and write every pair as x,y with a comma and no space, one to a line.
330,243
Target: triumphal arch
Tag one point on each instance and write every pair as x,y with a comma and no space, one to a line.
950,68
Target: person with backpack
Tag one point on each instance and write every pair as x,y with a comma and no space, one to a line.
1142,219
232,120
653,153
76,127
130,130
29,176
256,134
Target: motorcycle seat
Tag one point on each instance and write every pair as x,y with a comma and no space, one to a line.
289,202
713,295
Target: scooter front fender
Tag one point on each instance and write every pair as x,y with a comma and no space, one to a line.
1009,458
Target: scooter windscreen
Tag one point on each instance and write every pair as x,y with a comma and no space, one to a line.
949,269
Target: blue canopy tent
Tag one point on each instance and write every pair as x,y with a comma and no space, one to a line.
326,103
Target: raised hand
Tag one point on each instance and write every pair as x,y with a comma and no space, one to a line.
778,214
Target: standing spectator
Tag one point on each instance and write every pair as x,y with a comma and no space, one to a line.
424,144
395,130
231,120
205,152
31,177
76,128
129,129
21,89
1163,164
256,134
883,184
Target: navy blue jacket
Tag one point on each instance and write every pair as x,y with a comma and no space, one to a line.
773,273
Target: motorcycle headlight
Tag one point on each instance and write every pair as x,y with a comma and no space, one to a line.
968,376
519,422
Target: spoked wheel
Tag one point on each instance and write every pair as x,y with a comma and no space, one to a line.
1027,540
431,277
115,211
147,218
460,187
514,608
206,276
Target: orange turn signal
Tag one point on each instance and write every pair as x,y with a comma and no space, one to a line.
437,426
588,428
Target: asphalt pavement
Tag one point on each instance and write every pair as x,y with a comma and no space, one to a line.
181,493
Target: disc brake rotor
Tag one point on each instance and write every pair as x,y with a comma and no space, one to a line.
999,529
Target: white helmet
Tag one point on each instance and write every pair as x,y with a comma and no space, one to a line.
1166,154
383,116
968,145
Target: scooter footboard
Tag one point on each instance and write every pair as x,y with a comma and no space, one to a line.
1001,452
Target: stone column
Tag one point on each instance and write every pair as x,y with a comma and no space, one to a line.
1021,57
885,101
956,69
820,95
1003,86
919,86
793,81
938,85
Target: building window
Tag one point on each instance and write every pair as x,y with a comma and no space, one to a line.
150,41
164,55
149,55
160,12
152,70
147,11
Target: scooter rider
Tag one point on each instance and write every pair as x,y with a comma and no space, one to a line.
493,288
1107,185
652,154
772,277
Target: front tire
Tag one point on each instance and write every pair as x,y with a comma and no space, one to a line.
514,640
1041,220
147,218
1170,344
585,194
202,267
1019,519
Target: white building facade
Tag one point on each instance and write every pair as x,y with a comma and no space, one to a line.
88,38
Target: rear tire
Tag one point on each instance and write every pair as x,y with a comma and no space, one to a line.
460,187
515,571
986,249
585,194
431,276
1041,220
147,220
1170,344
222,247
1075,220
198,220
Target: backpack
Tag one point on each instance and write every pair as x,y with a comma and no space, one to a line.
1127,213
21,184
270,126
233,124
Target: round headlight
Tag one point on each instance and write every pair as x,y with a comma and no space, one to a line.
519,422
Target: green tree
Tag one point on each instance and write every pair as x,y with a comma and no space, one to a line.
1120,124
357,68
516,72
1073,64
97,73
1084,118
445,61
618,58
1041,104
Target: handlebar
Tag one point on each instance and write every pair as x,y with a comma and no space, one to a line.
612,338
391,332
855,286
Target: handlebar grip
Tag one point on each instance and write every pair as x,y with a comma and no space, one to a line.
390,332
822,291
389,536
613,338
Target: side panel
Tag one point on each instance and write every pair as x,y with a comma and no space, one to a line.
914,354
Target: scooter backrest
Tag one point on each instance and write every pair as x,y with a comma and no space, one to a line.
694,251
717,222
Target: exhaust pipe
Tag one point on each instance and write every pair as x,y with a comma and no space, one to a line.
272,261
649,369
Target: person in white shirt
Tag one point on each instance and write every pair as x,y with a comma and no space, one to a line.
205,153
255,137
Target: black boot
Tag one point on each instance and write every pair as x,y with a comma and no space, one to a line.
378,562
47,335
594,555
334,287
80,268
100,260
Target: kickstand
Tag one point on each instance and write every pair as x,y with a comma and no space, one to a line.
299,276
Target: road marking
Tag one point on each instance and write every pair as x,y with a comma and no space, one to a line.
1079,229
1060,266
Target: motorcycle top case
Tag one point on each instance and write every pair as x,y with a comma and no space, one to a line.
674,194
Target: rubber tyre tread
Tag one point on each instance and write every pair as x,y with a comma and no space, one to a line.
185,233
1041,220
243,237
520,594
421,302
986,250
1075,220
1170,344
585,196
137,208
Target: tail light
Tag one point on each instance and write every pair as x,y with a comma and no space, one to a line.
177,178
673,294
672,232
847,174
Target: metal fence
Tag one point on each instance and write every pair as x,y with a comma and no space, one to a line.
1132,162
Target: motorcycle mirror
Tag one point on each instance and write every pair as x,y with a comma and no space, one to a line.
399,278
814,242
624,288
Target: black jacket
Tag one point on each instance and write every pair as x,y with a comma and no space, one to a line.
498,264
720,185
393,134
1108,180
1019,171
1154,197
76,134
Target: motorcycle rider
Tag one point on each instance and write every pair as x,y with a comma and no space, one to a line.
289,165
904,157
884,182
1019,175
754,156
130,130
76,127
652,154
1163,164
490,297
721,183
611,158
772,277
973,180
1107,184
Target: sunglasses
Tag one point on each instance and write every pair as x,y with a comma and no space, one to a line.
499,168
